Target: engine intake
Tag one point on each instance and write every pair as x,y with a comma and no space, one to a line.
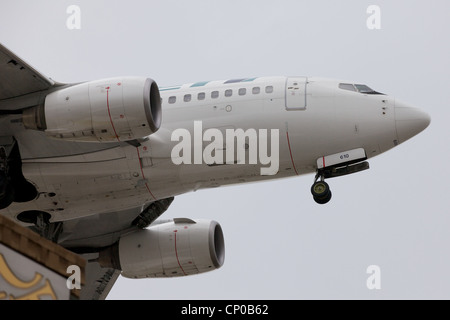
109,110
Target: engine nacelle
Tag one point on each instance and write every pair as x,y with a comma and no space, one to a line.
178,248
109,110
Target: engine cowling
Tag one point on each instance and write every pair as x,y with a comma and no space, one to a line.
178,248
109,110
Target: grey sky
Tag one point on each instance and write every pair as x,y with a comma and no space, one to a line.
279,243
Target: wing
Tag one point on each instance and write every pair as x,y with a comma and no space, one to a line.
20,85
99,281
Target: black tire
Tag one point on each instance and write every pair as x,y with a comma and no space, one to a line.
325,199
320,190
7,197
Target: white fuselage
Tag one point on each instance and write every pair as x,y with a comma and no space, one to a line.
314,118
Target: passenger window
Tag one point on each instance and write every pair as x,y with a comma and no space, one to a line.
215,94
242,91
269,89
187,98
256,90
228,93
201,96
172,100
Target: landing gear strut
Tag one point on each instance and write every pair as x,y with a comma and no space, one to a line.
320,189
42,224
44,228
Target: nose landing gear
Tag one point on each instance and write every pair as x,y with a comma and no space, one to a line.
321,190
336,165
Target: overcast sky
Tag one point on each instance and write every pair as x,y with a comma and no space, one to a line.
279,243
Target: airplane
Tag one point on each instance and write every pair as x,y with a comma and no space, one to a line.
93,165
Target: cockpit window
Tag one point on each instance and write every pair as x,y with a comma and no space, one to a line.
347,86
361,88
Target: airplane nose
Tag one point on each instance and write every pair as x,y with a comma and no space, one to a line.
409,121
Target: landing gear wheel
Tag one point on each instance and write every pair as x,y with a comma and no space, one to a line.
321,192
323,200
320,189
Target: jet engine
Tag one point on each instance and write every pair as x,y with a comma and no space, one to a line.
176,248
109,110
